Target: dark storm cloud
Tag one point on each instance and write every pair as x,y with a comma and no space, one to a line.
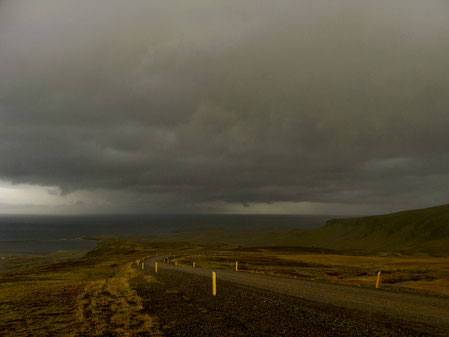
173,104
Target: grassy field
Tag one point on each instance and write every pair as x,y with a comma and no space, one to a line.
415,231
95,294
405,273
84,296
422,231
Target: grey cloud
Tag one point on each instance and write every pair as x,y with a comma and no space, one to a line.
173,105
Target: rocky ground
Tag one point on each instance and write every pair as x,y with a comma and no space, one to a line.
183,306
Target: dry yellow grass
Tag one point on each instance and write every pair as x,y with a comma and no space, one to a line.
93,295
426,274
408,273
110,306
366,261
37,308
90,296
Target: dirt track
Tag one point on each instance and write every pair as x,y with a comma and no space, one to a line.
259,305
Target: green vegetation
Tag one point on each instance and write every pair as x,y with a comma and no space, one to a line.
416,231
93,294
86,296
406,273
424,231
97,293
33,260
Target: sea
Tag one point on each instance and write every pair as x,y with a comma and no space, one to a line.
20,234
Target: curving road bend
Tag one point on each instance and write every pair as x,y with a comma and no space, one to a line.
429,310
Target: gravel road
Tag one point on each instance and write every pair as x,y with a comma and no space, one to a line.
258,305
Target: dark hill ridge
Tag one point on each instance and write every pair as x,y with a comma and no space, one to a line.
422,230
412,232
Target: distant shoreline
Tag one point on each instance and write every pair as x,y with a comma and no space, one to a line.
43,247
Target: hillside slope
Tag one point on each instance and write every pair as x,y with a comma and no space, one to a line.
423,230
412,232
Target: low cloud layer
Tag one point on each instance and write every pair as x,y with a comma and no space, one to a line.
179,106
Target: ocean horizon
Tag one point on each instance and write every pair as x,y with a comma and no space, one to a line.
27,234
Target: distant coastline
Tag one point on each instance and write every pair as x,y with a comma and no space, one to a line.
48,234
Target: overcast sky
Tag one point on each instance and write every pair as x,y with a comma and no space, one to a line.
245,106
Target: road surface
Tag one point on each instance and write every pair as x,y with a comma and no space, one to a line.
417,310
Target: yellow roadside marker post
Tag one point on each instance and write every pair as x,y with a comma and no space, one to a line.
214,284
236,265
155,267
378,279
143,266
193,264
